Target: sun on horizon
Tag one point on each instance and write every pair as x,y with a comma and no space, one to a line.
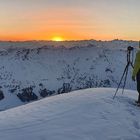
57,38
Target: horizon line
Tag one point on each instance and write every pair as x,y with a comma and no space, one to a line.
72,40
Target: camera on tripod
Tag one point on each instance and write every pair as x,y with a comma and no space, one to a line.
125,73
129,48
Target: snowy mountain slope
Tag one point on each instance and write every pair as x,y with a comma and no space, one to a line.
89,114
81,64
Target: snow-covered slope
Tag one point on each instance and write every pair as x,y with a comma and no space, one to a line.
79,64
89,114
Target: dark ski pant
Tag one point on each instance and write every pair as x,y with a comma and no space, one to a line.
138,85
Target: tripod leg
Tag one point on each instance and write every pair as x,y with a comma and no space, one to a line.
132,65
125,79
120,81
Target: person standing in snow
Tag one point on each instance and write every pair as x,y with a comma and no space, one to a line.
136,73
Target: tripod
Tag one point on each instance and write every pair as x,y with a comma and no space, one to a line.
125,73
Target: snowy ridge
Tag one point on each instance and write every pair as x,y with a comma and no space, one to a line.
81,64
89,114
68,44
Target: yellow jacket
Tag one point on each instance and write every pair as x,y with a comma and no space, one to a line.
136,64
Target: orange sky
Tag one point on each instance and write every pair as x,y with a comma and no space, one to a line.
71,20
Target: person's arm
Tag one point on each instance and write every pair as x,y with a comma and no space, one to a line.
136,65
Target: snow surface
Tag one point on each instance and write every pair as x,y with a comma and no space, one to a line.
82,64
89,114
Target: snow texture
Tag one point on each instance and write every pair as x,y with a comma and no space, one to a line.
81,64
89,114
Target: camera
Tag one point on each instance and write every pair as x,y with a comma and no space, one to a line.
129,48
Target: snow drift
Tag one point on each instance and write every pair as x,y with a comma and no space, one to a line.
89,114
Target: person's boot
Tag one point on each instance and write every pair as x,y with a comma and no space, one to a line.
138,102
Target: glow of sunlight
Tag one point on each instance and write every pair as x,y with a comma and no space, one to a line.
57,38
